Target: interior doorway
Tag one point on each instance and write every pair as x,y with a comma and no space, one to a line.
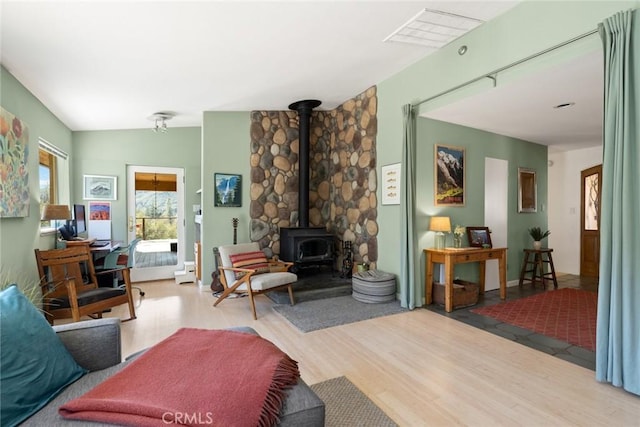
155,200
590,189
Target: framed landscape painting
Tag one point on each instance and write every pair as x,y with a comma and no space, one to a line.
99,187
449,176
227,190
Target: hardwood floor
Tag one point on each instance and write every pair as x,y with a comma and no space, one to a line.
421,368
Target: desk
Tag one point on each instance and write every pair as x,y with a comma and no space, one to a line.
96,250
450,257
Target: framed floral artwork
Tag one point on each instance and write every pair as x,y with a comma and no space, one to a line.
14,171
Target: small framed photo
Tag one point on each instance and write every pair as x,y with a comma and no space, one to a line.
479,237
228,190
449,177
527,190
391,184
100,187
99,211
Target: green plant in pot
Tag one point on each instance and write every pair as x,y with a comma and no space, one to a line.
537,234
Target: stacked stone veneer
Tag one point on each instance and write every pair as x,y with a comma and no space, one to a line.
342,183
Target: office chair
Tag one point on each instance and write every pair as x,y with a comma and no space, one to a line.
121,259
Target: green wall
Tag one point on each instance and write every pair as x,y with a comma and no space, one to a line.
109,152
528,28
478,145
20,236
225,149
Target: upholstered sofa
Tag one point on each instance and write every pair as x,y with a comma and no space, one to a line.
94,345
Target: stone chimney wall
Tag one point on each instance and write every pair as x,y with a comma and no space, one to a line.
342,184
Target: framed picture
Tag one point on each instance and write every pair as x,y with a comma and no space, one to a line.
99,187
449,175
479,237
99,211
391,184
527,190
14,162
228,190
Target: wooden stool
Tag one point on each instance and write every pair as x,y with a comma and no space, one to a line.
533,263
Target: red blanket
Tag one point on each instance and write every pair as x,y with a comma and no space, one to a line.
194,377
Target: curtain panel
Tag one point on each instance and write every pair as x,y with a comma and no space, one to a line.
617,330
411,294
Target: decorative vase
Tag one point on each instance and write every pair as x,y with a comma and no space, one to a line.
457,241
537,244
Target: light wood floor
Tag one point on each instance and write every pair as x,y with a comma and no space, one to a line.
421,368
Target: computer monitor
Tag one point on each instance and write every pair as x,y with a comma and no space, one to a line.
79,220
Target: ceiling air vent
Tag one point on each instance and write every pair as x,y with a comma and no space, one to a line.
433,28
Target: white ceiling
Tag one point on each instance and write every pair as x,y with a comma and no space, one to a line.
524,108
111,64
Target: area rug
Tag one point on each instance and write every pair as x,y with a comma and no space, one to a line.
324,313
565,314
346,405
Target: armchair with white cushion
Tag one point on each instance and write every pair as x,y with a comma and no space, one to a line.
245,269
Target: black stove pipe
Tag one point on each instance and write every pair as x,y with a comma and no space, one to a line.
304,109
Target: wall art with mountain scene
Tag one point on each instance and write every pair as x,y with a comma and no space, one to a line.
228,190
449,176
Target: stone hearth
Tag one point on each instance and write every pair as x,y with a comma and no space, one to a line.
343,181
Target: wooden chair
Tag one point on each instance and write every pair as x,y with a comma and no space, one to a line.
253,277
70,288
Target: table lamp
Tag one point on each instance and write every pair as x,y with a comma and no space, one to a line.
440,224
55,213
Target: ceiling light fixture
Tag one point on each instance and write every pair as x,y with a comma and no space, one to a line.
564,105
160,120
433,28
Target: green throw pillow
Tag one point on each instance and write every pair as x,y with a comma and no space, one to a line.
34,364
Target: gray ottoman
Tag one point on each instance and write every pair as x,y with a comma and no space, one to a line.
374,286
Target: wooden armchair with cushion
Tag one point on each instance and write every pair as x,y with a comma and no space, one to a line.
70,288
245,268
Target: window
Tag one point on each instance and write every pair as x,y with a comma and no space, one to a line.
47,177
49,156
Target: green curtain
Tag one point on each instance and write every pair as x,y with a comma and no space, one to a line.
618,324
411,293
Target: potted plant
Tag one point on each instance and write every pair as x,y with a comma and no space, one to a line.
537,234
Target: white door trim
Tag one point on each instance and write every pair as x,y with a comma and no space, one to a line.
163,272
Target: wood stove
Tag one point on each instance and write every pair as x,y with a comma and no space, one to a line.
305,245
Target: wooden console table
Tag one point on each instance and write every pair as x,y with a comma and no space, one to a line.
450,257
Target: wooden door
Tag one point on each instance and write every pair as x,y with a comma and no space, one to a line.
591,186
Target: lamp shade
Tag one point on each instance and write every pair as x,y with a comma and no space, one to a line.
440,223
54,212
